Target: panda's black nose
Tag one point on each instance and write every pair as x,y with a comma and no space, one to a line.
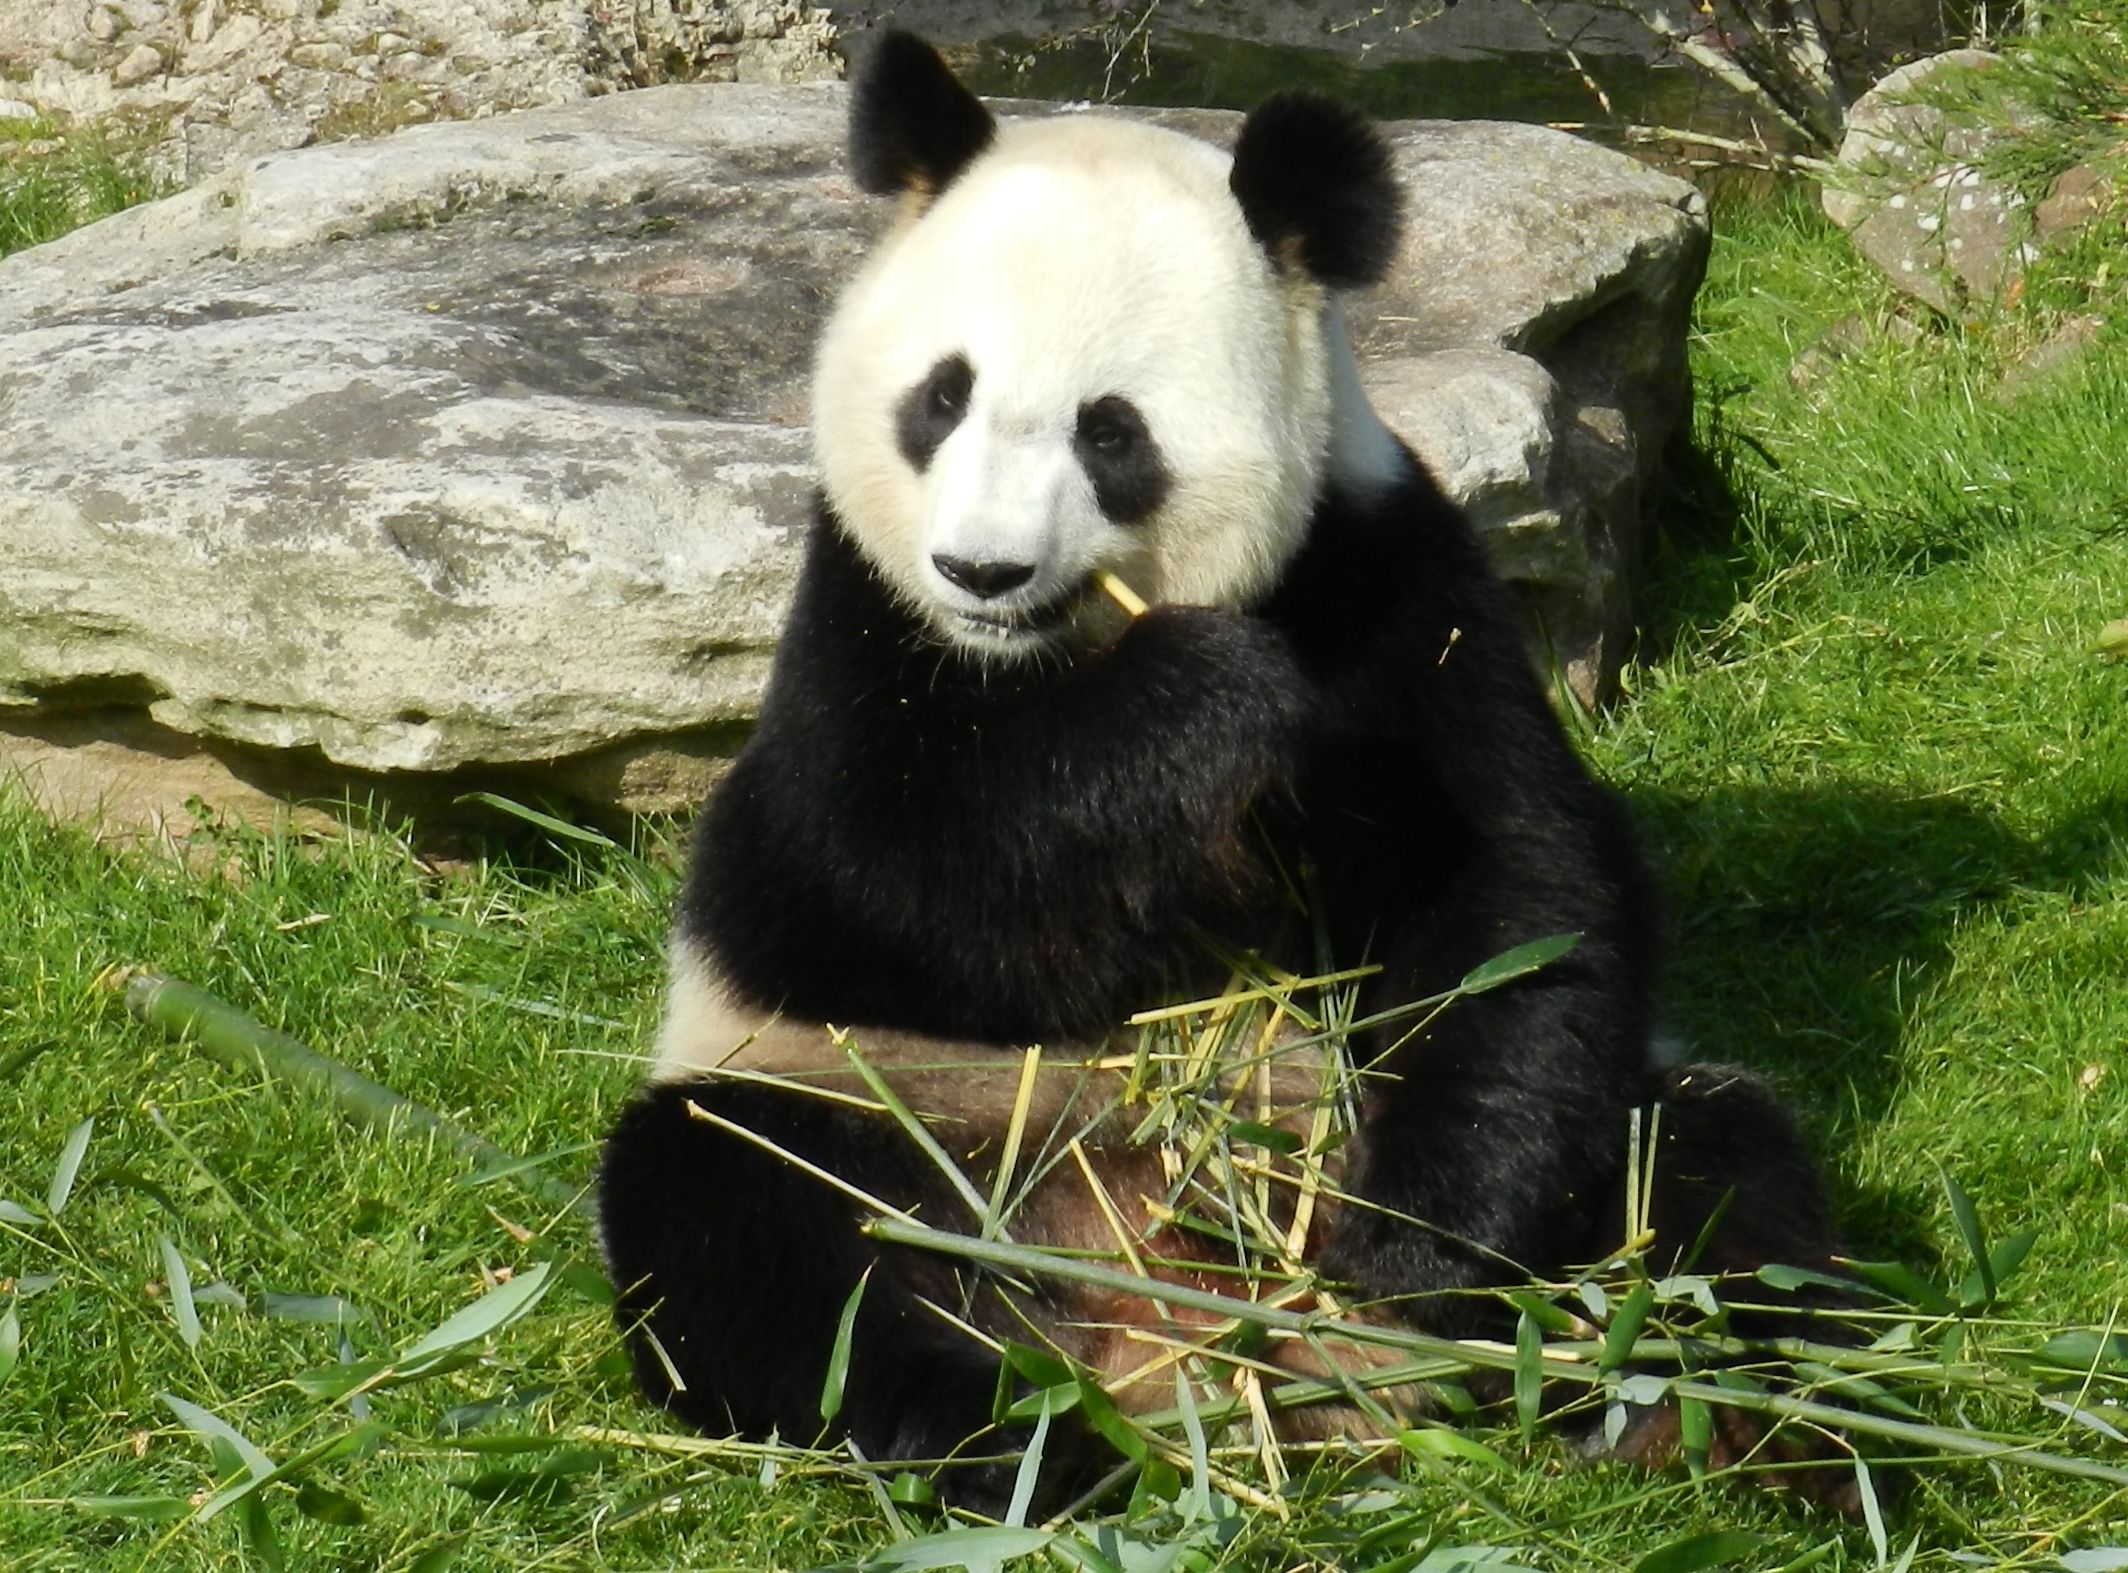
987,580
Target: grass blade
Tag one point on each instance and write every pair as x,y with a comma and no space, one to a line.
10,1343
179,1277
148,1509
70,1156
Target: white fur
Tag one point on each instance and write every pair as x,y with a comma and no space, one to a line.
1083,257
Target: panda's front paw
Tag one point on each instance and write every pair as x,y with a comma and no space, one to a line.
1210,648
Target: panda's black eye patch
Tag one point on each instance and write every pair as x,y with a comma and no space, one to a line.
1117,451
929,411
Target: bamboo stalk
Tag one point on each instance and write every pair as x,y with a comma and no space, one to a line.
242,1043
1122,594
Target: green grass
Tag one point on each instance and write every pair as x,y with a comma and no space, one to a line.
87,176
1881,764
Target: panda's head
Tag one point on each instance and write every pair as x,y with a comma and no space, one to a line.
1092,345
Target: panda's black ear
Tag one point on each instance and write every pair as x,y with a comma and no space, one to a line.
1317,184
913,127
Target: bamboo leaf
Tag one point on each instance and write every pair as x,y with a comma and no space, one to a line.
1197,1502
1625,1327
1695,1435
1529,1375
2003,1261
977,1550
254,1527
1284,1143
16,1213
326,1309
1708,1550
1967,1217
546,822
2085,1350
1517,963
70,1155
491,1313
1446,1444
179,1278
2096,1559
211,1428
1779,1275
438,1557
10,1343
1030,1471
1549,1318
328,1506
1904,1285
1872,1510
1102,1414
839,1356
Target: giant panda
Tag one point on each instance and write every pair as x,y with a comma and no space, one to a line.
985,807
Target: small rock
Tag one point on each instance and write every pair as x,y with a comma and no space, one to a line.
2050,357
2080,195
80,52
203,22
104,24
145,61
319,55
1910,190
16,109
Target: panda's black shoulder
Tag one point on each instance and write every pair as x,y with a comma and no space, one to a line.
1395,563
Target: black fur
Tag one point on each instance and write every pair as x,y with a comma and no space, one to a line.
1314,176
913,127
1020,854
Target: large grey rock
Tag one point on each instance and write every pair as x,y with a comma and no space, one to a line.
483,446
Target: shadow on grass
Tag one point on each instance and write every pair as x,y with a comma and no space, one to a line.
1808,929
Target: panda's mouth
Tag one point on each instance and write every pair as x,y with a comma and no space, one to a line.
1019,623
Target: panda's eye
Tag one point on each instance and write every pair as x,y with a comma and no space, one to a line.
1109,427
928,412
1116,449
945,396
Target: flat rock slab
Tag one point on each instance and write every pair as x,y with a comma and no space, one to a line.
483,445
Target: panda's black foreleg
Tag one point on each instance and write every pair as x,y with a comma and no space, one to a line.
1492,1145
733,1266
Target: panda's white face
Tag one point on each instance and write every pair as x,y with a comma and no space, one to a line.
1076,359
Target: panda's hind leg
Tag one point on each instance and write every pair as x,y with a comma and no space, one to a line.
1729,1154
733,1266
1735,1189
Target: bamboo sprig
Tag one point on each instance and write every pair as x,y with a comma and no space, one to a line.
1920,1436
243,1043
